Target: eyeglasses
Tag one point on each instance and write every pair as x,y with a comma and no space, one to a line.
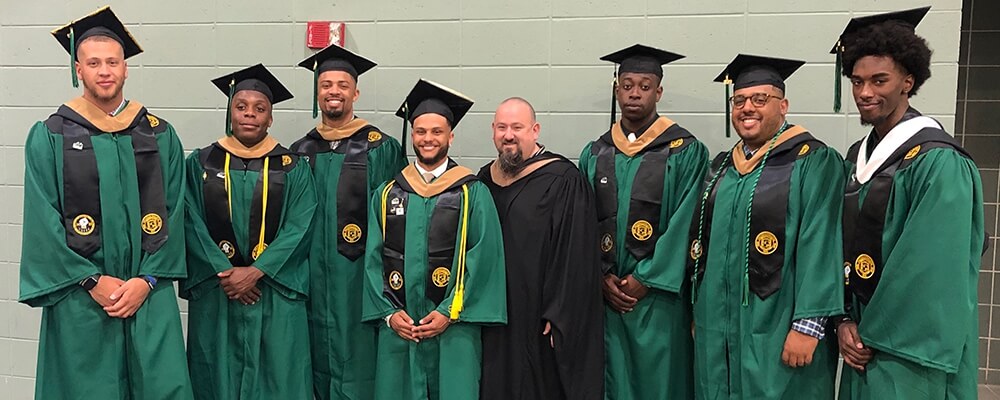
758,99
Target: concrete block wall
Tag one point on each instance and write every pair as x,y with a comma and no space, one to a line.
544,50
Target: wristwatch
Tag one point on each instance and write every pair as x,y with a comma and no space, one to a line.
89,282
150,280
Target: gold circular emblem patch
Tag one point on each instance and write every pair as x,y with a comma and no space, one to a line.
676,143
864,266
912,153
440,276
395,280
351,233
257,250
83,225
695,249
227,248
803,150
642,230
374,136
285,160
766,243
151,223
153,121
607,243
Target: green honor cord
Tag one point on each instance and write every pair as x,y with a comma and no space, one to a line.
746,238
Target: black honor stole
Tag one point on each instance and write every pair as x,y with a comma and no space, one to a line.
81,210
352,189
646,197
864,223
448,218
765,249
264,222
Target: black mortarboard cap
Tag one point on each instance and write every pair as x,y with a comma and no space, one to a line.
256,78
430,97
642,59
102,22
334,58
911,17
749,70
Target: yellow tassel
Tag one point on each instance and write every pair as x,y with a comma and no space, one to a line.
458,302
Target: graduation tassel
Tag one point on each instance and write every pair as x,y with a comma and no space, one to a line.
72,57
837,70
229,108
614,86
458,302
315,88
726,83
406,120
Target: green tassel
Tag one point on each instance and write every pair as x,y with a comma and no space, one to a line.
315,88
229,108
72,56
726,83
614,85
837,79
406,120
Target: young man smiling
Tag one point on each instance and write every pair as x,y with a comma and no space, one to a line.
434,263
913,228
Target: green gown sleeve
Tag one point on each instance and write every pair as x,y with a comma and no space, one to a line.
584,163
925,303
46,275
485,300
385,161
374,305
284,260
819,275
168,261
204,259
666,268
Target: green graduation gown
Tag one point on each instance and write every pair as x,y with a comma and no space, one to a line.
738,348
448,366
82,351
922,320
258,351
649,350
343,348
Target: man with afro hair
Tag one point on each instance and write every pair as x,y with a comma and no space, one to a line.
913,229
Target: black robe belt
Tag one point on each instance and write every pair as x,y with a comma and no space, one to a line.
217,218
442,235
81,181
646,197
766,249
352,189
864,223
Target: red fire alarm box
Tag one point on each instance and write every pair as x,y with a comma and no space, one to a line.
320,34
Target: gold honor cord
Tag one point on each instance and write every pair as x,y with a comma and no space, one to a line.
385,196
457,302
229,196
263,212
263,216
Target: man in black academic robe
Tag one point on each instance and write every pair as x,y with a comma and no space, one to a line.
553,344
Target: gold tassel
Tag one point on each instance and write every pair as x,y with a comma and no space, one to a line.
458,302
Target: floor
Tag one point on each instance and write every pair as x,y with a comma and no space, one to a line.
989,392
